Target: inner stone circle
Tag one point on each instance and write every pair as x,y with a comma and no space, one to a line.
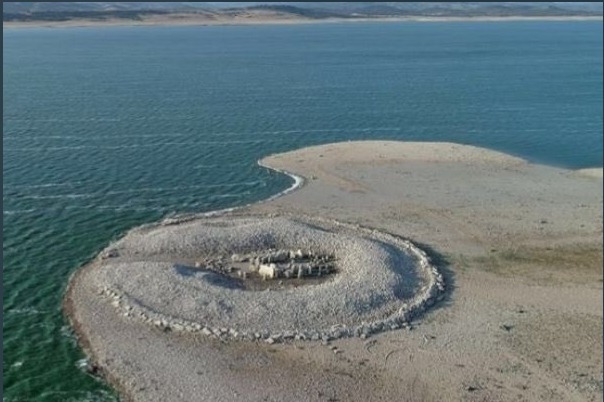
273,269
247,277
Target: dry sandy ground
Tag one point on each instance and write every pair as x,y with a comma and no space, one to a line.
521,248
259,18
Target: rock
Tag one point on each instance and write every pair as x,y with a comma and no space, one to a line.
239,258
337,333
270,341
268,271
112,253
206,331
279,256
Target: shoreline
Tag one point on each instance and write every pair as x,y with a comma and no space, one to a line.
167,21
328,183
299,181
92,360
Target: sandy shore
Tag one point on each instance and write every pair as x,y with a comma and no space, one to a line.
201,20
519,246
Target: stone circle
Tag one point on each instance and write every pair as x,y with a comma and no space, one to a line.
372,281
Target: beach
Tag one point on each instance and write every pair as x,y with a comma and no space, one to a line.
518,246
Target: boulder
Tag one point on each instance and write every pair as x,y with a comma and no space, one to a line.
279,256
301,254
112,253
268,271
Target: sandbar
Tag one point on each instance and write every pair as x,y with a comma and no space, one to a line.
518,247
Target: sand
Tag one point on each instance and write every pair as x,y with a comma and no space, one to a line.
519,246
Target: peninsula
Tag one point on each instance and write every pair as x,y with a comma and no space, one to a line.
397,271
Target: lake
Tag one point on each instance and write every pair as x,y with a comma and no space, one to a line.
108,128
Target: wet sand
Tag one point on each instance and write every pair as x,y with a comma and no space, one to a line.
519,246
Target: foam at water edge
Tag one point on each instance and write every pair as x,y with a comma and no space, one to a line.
298,182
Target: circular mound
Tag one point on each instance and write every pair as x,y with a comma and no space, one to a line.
179,277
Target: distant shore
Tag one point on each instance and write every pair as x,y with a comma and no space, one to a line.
189,20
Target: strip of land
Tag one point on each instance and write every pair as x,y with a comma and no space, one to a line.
520,249
187,19
36,14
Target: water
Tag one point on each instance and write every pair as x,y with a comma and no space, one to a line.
109,128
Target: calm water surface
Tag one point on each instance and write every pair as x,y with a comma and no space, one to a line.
108,128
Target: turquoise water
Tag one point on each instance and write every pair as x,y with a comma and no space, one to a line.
109,128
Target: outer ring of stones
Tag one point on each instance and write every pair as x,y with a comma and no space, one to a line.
429,294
